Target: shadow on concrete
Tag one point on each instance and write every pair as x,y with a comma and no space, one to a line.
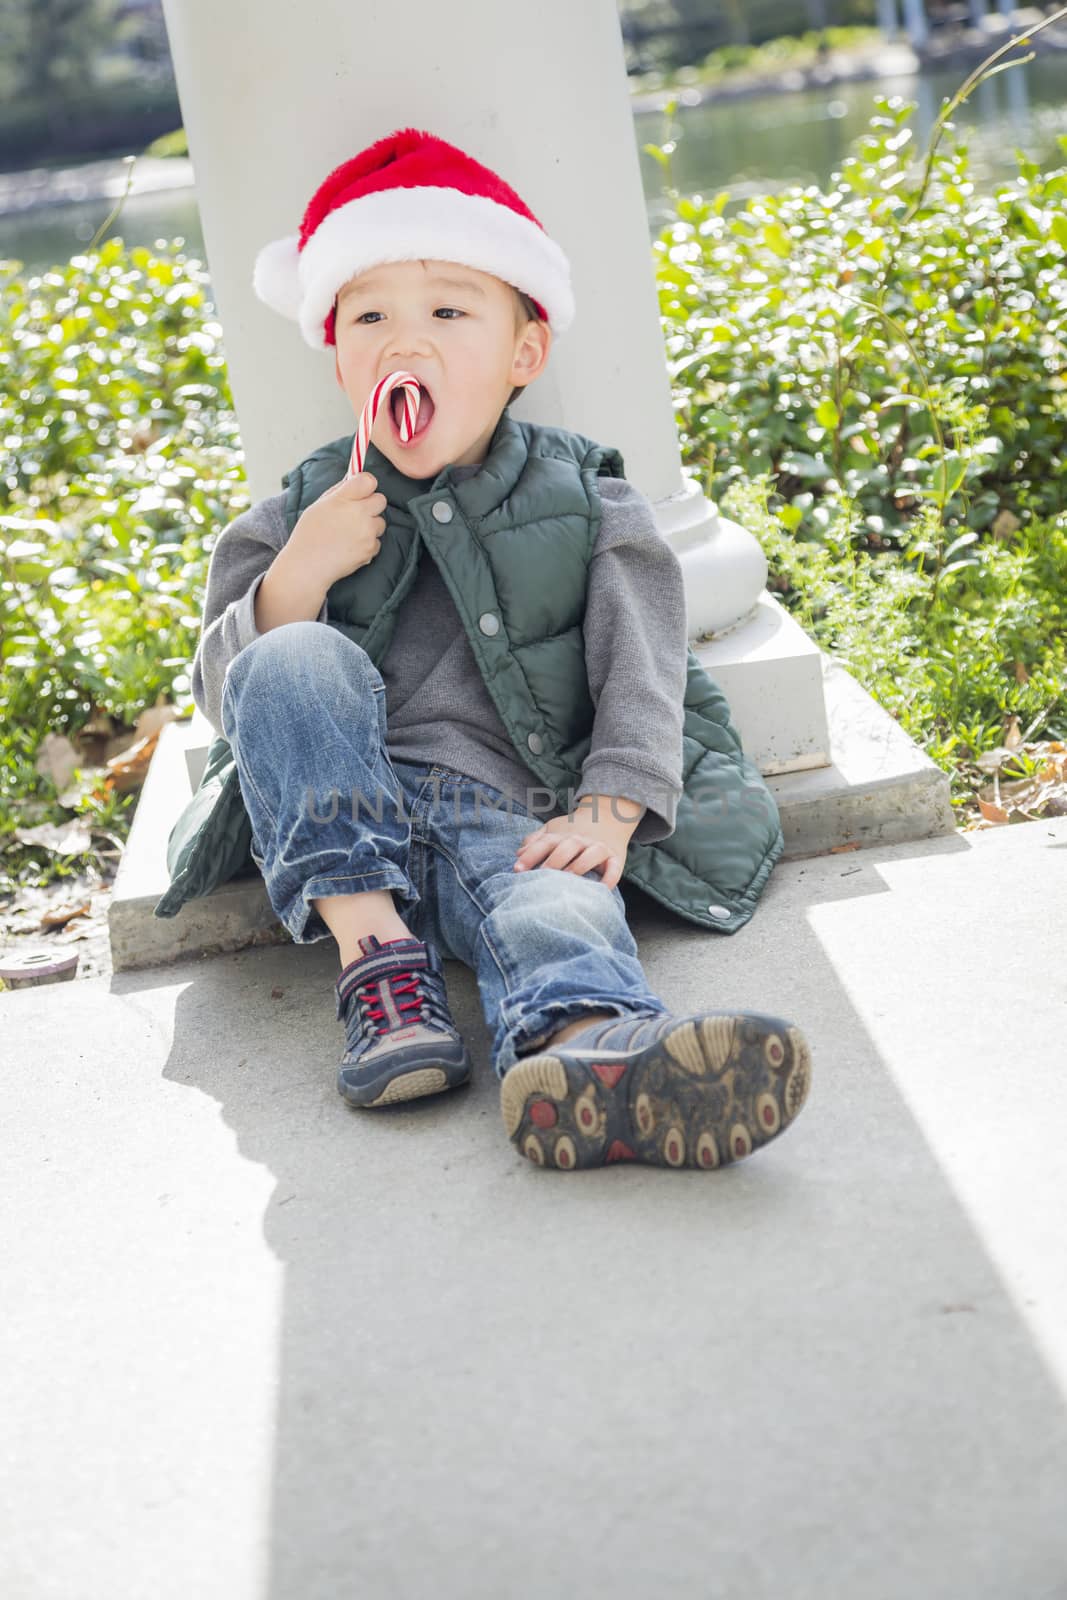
799,1377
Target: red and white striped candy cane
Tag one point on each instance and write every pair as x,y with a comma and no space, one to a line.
412,389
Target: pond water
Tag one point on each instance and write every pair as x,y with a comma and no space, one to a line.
766,142
746,145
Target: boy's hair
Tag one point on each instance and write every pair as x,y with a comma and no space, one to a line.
525,311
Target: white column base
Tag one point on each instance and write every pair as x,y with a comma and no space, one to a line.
765,664
724,567
770,671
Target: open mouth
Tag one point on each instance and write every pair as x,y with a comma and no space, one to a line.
425,416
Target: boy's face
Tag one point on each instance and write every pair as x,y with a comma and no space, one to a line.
471,348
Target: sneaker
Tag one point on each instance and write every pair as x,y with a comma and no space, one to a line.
400,1040
693,1091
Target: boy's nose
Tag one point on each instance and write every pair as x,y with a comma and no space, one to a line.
403,355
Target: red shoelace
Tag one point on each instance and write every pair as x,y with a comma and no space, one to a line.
398,985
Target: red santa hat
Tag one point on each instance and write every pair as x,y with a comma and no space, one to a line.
409,197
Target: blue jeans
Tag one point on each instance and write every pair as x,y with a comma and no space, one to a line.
303,709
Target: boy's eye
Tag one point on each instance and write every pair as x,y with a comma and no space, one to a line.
439,308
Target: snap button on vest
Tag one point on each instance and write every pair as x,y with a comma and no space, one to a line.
720,913
442,511
489,622
536,743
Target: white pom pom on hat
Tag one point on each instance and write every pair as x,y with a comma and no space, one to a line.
275,279
408,197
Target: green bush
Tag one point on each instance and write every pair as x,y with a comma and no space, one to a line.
872,379
120,461
802,331
992,648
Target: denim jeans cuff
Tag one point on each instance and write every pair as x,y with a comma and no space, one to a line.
543,1024
350,883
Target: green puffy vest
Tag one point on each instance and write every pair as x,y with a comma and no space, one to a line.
513,543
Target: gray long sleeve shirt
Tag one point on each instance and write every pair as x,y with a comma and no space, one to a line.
437,706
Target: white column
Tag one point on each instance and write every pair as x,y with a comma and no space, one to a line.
275,93
915,22
888,18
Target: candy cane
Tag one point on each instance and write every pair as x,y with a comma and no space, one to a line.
412,389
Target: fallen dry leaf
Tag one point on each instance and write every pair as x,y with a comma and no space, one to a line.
155,718
150,723
1028,799
128,770
98,749
993,760
104,737
59,916
838,849
1043,793
57,759
72,839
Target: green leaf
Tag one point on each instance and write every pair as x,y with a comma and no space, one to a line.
827,414
777,238
958,544
947,475
900,400
954,566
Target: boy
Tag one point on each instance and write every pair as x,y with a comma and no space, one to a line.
502,608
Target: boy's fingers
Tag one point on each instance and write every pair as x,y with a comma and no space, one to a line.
534,841
533,847
361,484
612,866
563,854
551,850
612,872
592,857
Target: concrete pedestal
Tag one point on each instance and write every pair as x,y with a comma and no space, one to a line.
771,673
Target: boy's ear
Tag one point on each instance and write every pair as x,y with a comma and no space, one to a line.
533,353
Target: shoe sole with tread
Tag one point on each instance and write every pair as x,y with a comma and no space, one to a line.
390,1089
714,1088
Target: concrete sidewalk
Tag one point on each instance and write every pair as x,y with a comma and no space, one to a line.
259,1346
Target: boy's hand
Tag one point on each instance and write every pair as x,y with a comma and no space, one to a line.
578,841
342,530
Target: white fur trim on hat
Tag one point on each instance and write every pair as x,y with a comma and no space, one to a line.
411,224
